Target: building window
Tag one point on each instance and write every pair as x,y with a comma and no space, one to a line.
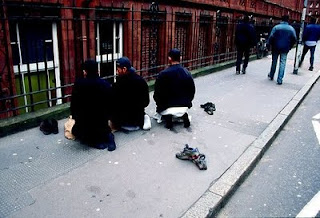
311,5
35,57
317,5
109,47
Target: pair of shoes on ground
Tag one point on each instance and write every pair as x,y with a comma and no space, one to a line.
49,126
243,71
110,144
271,78
310,68
193,155
169,122
208,107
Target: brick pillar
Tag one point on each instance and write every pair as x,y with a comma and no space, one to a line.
7,79
136,59
91,35
67,49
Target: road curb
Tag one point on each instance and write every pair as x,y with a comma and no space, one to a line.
210,203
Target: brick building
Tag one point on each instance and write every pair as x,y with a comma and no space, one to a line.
313,8
44,42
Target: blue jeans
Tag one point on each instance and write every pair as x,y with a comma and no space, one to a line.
305,50
282,67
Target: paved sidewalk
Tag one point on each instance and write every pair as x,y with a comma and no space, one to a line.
50,176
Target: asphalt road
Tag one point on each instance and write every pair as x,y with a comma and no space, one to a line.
288,176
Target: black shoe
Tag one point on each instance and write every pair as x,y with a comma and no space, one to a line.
111,143
209,107
101,146
271,78
279,83
168,120
238,72
311,68
244,71
49,126
186,121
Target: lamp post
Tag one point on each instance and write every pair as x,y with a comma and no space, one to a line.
299,46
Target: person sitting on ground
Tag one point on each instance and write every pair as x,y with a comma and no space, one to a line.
90,105
130,97
174,91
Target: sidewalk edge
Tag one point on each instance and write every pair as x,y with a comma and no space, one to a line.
217,195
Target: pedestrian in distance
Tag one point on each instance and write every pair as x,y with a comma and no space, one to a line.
130,97
245,38
90,108
311,35
174,91
281,39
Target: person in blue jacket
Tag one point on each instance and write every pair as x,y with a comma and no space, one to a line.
245,38
281,39
310,37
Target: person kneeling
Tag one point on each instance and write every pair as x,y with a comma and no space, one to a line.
90,109
174,91
130,97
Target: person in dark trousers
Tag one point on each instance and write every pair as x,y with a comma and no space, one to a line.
310,37
174,91
90,108
245,38
281,39
130,97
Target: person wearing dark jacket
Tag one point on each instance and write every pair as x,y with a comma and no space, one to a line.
130,97
281,39
90,105
245,38
174,91
311,35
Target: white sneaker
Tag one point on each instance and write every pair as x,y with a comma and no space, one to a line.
147,122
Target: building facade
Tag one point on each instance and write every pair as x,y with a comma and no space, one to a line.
44,42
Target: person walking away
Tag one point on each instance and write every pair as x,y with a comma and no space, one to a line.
245,38
281,39
130,97
310,37
90,103
174,91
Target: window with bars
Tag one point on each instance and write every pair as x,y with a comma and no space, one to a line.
35,56
109,47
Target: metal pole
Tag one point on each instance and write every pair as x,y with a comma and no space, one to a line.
299,46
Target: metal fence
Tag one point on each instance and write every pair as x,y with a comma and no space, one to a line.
43,46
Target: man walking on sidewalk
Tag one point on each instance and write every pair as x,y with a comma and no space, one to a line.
245,39
281,39
311,35
174,91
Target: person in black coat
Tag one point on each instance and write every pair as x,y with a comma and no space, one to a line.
245,38
130,97
90,108
174,91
